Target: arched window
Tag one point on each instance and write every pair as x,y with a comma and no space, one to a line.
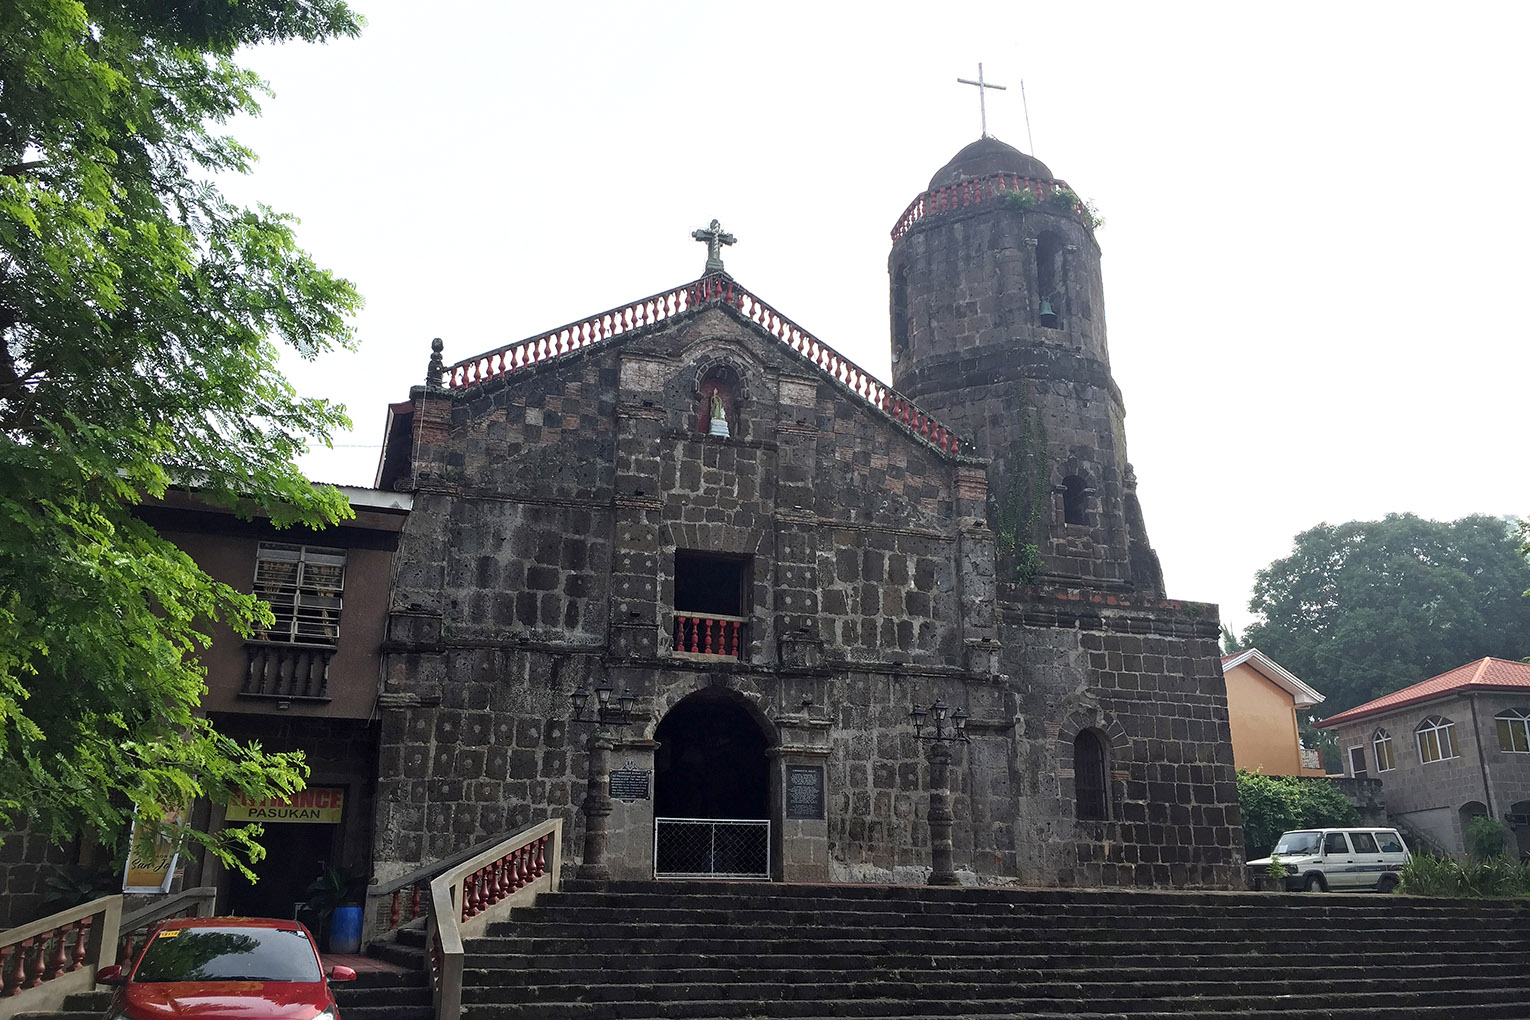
900,313
1049,280
1075,501
1436,739
1513,730
1381,743
1089,776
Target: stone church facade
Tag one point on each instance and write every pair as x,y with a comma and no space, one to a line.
690,499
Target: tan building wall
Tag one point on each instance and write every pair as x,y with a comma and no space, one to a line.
1264,731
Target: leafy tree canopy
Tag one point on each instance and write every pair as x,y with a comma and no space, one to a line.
1271,805
141,314
1362,609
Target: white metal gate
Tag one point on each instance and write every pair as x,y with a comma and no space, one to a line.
711,848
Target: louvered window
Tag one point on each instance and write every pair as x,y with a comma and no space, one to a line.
303,584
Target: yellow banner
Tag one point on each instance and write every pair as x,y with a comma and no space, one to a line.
151,861
316,804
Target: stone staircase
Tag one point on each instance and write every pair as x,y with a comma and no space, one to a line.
700,951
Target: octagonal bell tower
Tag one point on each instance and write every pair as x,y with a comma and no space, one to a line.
998,329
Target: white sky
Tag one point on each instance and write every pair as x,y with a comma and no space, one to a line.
1314,248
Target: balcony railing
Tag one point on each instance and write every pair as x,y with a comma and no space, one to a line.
286,672
712,289
711,634
970,192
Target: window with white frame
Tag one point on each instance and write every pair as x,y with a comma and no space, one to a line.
1513,730
1381,743
303,584
1436,739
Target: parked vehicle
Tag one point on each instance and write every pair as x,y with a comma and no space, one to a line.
219,967
1318,860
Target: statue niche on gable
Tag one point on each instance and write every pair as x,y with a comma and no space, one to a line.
717,399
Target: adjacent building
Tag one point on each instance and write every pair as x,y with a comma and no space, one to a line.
307,683
1263,702
1448,749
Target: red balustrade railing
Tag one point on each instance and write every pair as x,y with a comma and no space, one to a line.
716,288
498,879
482,889
404,905
574,336
970,192
44,956
44,960
711,634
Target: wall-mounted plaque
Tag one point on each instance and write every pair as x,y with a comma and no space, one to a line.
804,791
630,783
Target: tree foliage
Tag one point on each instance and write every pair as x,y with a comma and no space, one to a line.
141,313
1362,609
1271,805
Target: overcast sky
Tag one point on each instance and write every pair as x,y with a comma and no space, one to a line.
1314,248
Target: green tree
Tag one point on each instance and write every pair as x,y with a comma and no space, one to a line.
1271,805
1366,608
141,314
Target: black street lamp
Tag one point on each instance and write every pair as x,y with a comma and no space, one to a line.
940,737
597,798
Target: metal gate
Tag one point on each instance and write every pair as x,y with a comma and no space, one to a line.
711,848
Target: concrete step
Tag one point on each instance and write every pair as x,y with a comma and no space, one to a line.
1295,911
810,942
1096,988
1497,1002
584,969
1175,930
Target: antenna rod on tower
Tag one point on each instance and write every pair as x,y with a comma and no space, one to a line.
1029,141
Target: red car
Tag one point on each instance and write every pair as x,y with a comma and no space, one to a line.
222,968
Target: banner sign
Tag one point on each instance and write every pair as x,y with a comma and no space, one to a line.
151,859
314,805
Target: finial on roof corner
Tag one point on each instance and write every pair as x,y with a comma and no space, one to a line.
437,367
715,237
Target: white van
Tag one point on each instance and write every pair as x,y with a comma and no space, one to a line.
1350,858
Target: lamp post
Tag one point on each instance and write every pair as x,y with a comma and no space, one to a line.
940,738
597,798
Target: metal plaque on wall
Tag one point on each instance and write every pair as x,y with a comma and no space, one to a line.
804,791
630,783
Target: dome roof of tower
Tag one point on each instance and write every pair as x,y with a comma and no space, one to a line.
987,156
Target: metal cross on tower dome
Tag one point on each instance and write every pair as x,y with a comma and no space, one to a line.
982,87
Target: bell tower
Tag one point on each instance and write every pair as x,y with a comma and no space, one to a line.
998,329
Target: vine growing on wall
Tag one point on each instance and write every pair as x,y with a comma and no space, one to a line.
1018,508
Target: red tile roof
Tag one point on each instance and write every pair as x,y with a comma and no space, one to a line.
1483,675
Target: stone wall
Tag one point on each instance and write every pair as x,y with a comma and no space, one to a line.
1145,674
867,581
27,861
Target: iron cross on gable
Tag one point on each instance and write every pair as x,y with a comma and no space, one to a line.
982,87
715,237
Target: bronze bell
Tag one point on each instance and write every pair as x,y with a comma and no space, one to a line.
1048,317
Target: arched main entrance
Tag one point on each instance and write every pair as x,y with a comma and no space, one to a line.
711,790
